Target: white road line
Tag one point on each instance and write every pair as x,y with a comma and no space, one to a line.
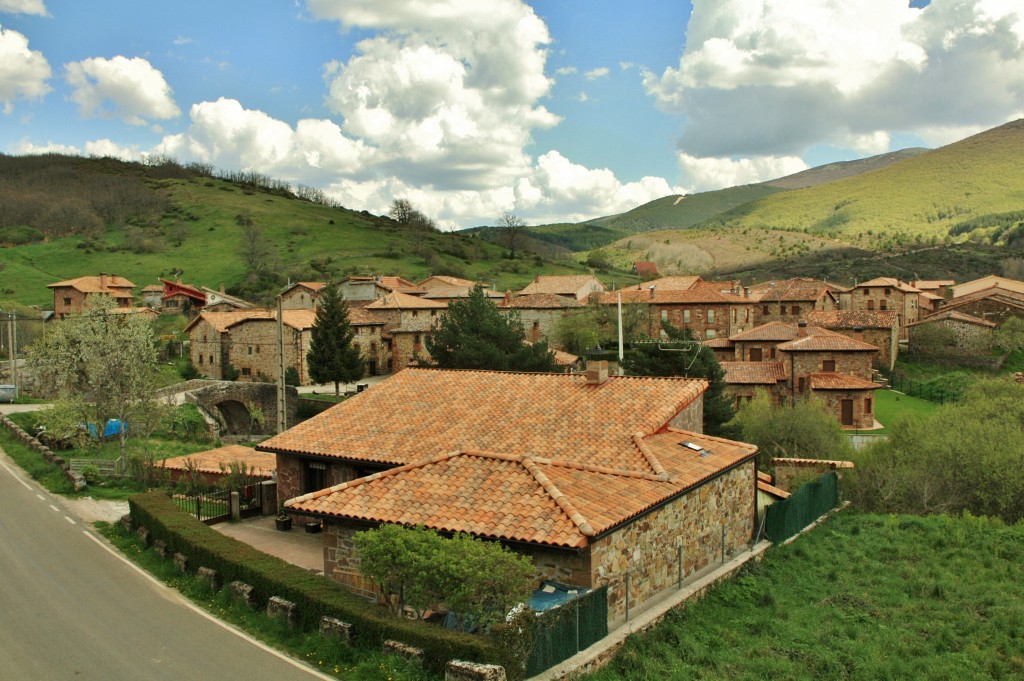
70,520
15,475
41,497
168,591
55,508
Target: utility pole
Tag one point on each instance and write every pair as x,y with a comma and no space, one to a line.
282,416
12,340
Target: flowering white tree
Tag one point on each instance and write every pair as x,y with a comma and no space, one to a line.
99,364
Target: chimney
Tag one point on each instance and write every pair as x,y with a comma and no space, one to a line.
508,296
746,291
222,287
597,372
536,279
103,280
801,329
652,291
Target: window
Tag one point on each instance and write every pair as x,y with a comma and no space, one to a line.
828,365
711,316
801,384
795,310
248,349
246,371
883,305
710,333
314,476
771,353
686,316
756,354
664,315
211,359
764,309
867,406
433,313
888,291
416,339
865,291
871,305
67,301
200,360
536,324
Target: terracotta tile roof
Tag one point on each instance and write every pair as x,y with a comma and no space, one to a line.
397,284
771,489
816,463
526,498
718,343
930,296
541,301
134,310
888,282
153,288
676,283
643,267
994,295
932,284
567,285
445,281
777,332
798,289
853,319
565,359
953,315
314,286
754,373
91,284
419,412
833,342
826,380
222,321
991,281
214,297
698,295
764,477
396,300
210,461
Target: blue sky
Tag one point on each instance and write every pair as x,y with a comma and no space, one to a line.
556,110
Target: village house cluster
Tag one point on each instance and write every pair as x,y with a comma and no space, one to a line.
791,338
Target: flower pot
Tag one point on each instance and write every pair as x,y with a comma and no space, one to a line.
284,523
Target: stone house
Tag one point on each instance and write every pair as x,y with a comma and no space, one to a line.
704,309
301,295
886,293
578,286
179,298
962,334
1009,287
70,297
760,343
540,313
789,300
879,328
744,379
532,461
361,291
444,289
408,320
939,287
151,295
992,298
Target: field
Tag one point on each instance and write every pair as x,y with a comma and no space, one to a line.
891,406
862,597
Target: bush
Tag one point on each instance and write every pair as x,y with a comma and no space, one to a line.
314,595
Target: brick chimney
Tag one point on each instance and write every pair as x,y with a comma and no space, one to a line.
597,372
651,288
103,280
801,330
536,279
508,296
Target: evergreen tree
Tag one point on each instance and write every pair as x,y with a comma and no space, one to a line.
686,357
332,356
475,334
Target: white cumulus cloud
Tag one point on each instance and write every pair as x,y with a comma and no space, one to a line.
708,173
765,78
23,7
594,74
133,89
23,72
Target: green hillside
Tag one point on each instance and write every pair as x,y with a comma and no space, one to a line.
914,201
183,221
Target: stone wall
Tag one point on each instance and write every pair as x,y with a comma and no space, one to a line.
290,472
851,363
226,401
253,350
967,338
691,418
700,318
647,549
790,312
863,417
990,309
205,349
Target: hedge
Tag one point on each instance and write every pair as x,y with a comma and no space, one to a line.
314,595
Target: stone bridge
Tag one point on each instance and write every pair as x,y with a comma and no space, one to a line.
240,410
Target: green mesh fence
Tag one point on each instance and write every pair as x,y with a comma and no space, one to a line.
785,518
561,633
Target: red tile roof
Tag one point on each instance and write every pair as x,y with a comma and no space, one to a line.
262,464
771,489
541,301
419,412
832,342
813,463
953,315
989,282
446,281
798,289
91,284
852,319
888,282
826,380
568,285
527,498
718,343
396,300
778,332
754,373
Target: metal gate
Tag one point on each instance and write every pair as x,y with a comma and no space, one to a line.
209,508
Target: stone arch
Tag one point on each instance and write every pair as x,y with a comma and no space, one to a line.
227,404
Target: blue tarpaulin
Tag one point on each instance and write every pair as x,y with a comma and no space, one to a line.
113,427
553,594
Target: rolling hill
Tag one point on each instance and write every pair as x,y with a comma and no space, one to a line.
64,217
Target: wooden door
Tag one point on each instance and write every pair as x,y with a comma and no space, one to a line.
846,409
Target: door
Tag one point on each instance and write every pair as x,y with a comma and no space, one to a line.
846,409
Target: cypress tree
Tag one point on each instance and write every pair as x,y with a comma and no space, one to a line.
332,356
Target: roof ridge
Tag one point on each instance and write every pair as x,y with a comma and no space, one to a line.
559,497
436,458
593,468
659,470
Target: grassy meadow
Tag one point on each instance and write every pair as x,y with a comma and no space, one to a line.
861,597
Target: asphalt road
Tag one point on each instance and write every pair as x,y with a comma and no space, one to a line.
71,607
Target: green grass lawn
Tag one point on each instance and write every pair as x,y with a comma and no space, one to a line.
890,406
862,597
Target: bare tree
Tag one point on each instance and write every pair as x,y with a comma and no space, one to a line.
512,227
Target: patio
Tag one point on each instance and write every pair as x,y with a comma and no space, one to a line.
295,546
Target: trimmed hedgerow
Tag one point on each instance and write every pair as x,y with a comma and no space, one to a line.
314,595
